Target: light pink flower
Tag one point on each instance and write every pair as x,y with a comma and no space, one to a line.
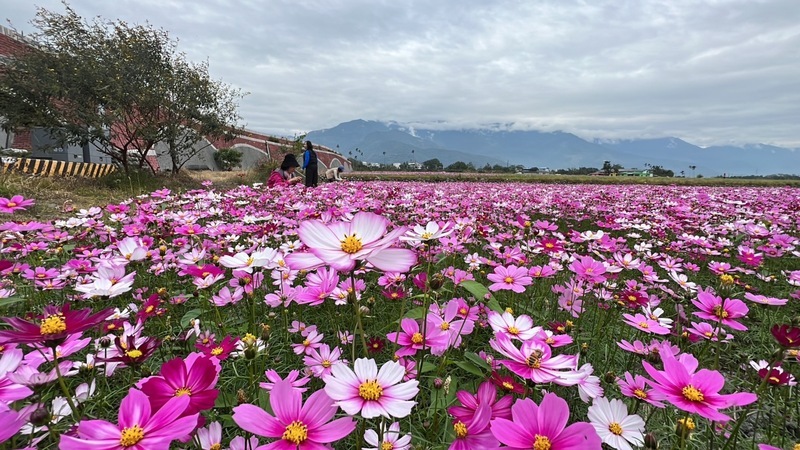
370,392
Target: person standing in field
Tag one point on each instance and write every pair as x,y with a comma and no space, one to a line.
284,175
310,165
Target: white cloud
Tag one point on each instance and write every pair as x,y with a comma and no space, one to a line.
708,71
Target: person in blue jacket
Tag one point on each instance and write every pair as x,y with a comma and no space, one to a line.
310,165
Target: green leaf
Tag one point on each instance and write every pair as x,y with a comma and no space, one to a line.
480,291
5,302
478,361
427,367
471,368
189,316
416,313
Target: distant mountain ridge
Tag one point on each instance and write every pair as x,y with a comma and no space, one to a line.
389,142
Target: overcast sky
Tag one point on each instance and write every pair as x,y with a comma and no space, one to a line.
708,71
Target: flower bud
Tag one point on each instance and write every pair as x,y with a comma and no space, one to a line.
684,427
438,383
436,282
610,377
105,342
250,353
650,442
265,331
241,396
584,349
40,417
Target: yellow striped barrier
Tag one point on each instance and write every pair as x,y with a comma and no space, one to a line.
51,168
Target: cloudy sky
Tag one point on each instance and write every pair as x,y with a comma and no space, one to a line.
709,71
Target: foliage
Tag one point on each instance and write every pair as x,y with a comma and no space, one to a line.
227,158
433,165
121,88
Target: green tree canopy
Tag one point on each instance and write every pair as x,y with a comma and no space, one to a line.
119,87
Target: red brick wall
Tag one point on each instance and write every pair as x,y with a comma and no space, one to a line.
9,46
22,139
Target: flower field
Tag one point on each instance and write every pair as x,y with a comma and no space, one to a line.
403,315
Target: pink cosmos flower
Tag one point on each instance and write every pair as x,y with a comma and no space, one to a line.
9,390
292,378
486,395
194,377
516,328
764,300
311,342
691,390
543,426
391,439
137,428
342,244
320,362
586,268
646,324
635,386
712,332
370,392
719,310
533,360
12,421
473,432
15,203
295,425
410,338
448,321
210,438
510,278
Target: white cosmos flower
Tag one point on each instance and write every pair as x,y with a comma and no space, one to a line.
429,232
613,424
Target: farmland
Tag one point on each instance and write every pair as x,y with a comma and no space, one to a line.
384,314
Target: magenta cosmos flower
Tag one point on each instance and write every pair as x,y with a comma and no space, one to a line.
371,392
342,244
15,203
53,327
194,377
694,392
533,360
719,310
542,427
411,337
296,425
510,278
137,428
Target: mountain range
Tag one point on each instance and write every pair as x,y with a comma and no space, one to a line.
392,142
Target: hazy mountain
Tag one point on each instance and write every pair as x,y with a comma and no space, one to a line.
548,149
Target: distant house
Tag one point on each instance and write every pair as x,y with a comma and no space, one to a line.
634,172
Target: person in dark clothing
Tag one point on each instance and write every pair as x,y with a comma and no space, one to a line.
310,165
285,175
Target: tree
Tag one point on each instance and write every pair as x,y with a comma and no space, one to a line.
432,165
659,171
607,167
692,167
458,166
227,158
120,88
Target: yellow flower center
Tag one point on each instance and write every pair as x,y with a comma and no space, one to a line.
460,429
133,354
351,244
796,447
149,309
11,204
296,432
326,363
640,394
720,312
387,446
644,325
687,423
306,343
615,428
216,351
692,394
508,280
508,386
417,338
250,261
425,236
370,390
542,443
53,325
445,326
131,436
183,391
513,330
215,447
